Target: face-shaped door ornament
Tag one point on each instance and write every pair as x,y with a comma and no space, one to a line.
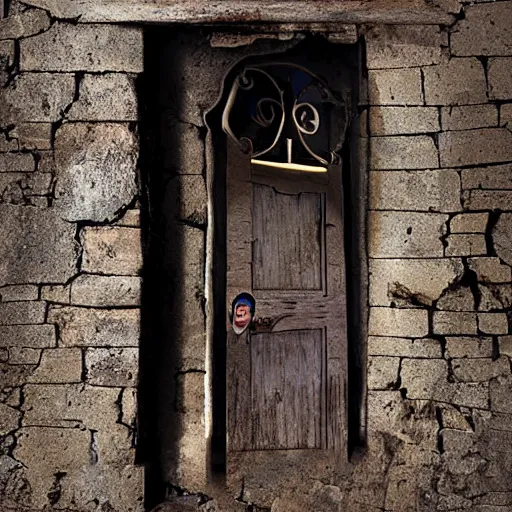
242,312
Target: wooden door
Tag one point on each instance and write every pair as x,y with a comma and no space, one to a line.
286,382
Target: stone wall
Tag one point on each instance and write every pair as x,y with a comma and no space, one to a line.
70,263
439,412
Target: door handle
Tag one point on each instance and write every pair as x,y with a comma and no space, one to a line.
266,323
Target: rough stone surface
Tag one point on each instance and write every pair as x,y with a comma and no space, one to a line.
466,245
24,312
469,223
411,280
112,366
96,327
36,336
16,162
434,374
36,97
69,47
395,87
404,234
475,147
24,24
456,82
398,322
414,152
468,117
190,392
448,322
468,347
493,323
505,114
9,419
59,365
96,170
109,250
484,30
186,199
56,293
45,253
403,120
24,355
490,270
383,372
19,292
91,290
130,219
34,135
457,299
494,177
488,200
499,392
403,347
108,97
432,190
480,370
502,236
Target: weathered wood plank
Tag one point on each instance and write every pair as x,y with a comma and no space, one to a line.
286,240
252,11
286,385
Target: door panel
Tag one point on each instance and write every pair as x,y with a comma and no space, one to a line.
286,386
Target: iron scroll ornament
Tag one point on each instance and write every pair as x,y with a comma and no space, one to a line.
271,106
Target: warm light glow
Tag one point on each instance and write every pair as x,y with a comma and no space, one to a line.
290,166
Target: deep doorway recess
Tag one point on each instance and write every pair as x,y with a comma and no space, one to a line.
183,94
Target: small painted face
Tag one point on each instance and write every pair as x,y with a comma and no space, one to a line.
242,315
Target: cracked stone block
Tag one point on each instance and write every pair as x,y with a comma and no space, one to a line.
112,366
24,24
45,451
454,322
24,355
58,365
406,280
184,146
494,177
12,376
79,47
470,347
472,147
469,223
37,97
9,419
468,117
488,200
398,322
453,418
19,292
34,135
403,120
7,53
115,488
505,345
411,152
24,312
493,323
421,377
108,97
130,219
70,406
489,299
58,293
402,46
458,299
84,191
406,234
47,251
7,143
403,347
485,30
500,391
480,370
502,237
104,291
96,327
186,199
466,245
395,87
16,162
383,372
35,336
111,250
455,82
129,406
190,392
432,190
